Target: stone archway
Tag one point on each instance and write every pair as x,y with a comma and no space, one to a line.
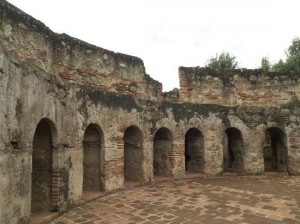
92,158
275,150
133,154
194,150
42,159
233,151
162,147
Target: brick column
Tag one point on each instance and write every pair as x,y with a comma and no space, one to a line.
293,149
213,152
177,158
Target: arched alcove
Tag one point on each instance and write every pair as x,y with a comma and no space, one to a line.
194,150
42,159
92,158
233,151
133,154
275,150
162,147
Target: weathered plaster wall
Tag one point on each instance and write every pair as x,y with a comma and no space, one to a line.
238,87
72,84
72,60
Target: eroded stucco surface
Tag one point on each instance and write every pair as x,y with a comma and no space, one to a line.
100,109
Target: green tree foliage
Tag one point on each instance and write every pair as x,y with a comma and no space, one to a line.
265,64
292,62
222,61
294,49
293,56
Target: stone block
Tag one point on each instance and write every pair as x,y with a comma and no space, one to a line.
292,118
284,112
257,118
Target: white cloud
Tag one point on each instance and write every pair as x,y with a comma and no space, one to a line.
167,34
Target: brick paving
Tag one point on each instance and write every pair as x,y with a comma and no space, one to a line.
273,198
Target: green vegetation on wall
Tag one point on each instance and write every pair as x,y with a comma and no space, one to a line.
291,64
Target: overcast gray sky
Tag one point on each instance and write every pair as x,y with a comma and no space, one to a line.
167,34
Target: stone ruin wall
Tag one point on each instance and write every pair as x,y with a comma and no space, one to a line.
72,60
70,85
241,87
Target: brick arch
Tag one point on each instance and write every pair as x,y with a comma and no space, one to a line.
93,158
162,148
233,154
194,150
133,154
43,185
275,150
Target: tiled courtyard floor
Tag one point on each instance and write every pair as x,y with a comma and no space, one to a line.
273,198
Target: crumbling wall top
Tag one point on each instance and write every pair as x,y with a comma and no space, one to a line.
247,87
73,60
